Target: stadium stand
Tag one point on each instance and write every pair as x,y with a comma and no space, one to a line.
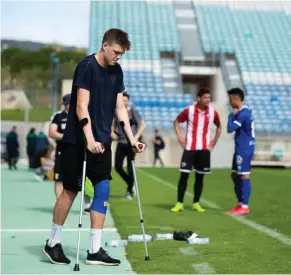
152,30
259,39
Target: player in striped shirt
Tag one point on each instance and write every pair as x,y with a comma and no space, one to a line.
241,122
197,145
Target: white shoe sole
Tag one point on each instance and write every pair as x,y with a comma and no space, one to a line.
98,263
50,257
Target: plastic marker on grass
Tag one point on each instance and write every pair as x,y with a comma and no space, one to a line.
195,239
116,243
139,238
198,241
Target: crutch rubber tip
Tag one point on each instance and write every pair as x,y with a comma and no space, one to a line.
77,267
147,258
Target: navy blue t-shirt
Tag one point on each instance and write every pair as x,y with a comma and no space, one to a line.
104,84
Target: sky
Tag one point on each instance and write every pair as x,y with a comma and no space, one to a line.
65,22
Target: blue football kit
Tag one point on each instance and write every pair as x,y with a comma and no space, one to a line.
243,125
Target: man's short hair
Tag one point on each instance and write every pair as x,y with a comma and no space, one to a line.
203,91
126,95
237,91
117,36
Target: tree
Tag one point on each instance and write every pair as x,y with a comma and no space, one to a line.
5,78
30,69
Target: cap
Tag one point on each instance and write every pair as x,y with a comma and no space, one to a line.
66,99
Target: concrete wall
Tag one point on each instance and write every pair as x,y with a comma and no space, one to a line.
66,86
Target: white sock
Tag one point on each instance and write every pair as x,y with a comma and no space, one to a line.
55,235
95,240
245,206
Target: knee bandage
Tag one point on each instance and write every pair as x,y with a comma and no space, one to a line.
101,195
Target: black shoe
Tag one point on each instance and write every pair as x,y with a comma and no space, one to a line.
56,254
101,258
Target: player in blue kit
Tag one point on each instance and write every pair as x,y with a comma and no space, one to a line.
241,121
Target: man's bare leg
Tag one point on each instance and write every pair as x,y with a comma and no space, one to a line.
58,188
61,210
53,249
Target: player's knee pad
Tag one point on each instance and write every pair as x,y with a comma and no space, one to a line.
101,195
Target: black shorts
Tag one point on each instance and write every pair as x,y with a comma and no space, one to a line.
57,169
199,160
98,166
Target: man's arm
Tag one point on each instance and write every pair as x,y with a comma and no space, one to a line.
53,129
114,136
182,117
141,123
122,115
83,97
53,132
218,130
232,124
140,130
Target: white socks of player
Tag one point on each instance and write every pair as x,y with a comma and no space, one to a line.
55,235
95,240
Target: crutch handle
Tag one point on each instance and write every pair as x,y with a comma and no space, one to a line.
83,122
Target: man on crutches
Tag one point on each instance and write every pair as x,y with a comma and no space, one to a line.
96,97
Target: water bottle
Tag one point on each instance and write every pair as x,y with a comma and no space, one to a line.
167,236
116,243
139,238
198,241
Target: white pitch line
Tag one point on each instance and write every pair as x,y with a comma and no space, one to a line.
166,228
204,268
271,233
113,229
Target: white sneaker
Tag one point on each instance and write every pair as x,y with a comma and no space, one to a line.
127,197
134,191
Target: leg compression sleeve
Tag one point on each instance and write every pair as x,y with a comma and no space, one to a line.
101,195
246,184
182,186
198,186
238,188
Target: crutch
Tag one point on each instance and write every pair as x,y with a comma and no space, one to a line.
82,122
136,188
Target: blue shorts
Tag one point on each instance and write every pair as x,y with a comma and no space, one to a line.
241,164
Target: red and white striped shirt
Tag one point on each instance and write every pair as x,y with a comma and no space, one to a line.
198,126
